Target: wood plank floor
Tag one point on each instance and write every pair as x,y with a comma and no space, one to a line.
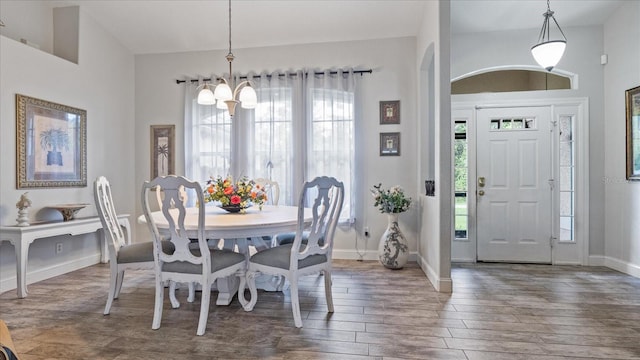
497,312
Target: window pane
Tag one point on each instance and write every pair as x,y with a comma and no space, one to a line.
566,203
566,228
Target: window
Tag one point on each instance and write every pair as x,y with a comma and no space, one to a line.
567,176
461,166
303,127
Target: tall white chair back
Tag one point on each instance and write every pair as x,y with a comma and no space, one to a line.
185,264
271,188
122,254
325,196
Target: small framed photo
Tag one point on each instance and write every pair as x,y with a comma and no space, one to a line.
51,144
633,133
390,144
162,150
390,112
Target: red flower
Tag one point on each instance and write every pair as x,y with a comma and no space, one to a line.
228,190
235,199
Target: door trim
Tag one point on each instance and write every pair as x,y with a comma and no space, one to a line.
576,253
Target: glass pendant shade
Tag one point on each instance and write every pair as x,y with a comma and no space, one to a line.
205,96
549,50
248,98
223,92
548,54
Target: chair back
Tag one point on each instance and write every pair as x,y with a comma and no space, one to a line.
326,196
173,213
183,194
271,188
114,234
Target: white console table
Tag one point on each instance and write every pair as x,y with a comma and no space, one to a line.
22,236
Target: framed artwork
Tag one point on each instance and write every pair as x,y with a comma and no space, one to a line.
162,150
633,133
51,144
390,112
390,144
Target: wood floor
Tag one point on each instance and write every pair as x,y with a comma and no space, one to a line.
497,312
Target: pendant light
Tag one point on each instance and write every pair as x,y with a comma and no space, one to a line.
222,96
548,52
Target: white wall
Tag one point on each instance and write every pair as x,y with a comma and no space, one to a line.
622,198
159,101
435,227
102,84
471,52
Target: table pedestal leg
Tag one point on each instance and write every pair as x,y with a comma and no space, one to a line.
227,288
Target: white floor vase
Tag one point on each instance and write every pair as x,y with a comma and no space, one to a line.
393,250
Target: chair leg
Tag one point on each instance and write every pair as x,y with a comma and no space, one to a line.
172,295
295,301
204,308
192,292
327,290
113,279
157,309
119,280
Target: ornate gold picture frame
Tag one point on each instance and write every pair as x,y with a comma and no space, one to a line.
633,133
51,144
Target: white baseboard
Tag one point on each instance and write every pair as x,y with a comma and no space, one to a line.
463,260
343,254
440,284
622,266
50,271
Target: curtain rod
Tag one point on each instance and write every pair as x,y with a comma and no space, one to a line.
369,71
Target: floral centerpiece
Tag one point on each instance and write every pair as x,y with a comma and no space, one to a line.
393,249
234,196
392,200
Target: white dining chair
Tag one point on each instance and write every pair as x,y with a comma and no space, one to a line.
123,255
185,264
325,195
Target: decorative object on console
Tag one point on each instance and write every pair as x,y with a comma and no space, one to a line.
430,187
68,211
222,96
51,144
548,52
235,196
393,249
23,212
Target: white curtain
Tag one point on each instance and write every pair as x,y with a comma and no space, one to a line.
304,126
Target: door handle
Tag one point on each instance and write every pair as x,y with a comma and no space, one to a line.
481,181
481,193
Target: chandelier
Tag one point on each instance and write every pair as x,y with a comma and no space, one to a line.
222,96
548,52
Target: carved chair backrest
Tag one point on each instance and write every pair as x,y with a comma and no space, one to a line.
174,212
325,196
108,216
271,188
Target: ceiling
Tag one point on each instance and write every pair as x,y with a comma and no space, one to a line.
165,26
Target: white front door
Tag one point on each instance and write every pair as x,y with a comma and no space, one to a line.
513,184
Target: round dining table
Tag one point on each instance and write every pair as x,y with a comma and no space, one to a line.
235,229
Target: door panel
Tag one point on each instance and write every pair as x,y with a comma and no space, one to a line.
514,205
